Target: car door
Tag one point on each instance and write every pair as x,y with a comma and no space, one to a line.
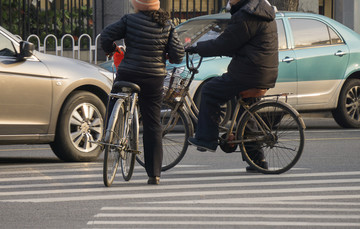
25,93
287,76
321,57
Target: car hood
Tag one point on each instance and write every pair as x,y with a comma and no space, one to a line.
63,67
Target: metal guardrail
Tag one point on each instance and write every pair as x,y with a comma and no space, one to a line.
60,49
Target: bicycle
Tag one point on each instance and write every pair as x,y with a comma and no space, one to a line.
279,134
173,120
121,141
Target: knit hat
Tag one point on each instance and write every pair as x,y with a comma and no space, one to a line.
146,5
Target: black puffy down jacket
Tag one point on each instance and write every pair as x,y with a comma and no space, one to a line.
251,40
147,44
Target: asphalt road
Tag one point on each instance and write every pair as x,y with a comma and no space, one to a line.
206,190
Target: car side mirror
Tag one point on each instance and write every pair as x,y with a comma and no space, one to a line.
26,50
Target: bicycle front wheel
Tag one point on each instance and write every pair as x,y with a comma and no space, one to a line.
177,128
128,160
272,136
112,138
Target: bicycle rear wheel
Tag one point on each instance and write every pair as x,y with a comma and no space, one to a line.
113,137
177,128
128,162
280,146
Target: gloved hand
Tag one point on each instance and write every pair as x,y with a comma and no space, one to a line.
191,49
117,49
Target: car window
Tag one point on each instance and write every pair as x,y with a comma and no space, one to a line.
335,39
201,30
12,36
281,34
6,46
308,32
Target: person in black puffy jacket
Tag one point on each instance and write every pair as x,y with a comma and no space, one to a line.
150,38
251,39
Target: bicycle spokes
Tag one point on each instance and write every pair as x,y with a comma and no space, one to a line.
273,133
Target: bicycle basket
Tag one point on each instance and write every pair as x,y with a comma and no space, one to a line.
175,84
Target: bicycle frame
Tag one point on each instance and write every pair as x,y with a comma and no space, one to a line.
191,107
188,101
130,100
260,122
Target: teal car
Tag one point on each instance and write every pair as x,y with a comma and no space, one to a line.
319,62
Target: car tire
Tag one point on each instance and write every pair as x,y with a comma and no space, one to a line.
347,113
81,119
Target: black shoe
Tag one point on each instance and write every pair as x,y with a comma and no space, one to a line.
202,145
262,164
154,180
201,149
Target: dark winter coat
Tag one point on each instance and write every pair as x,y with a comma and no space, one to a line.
147,44
251,40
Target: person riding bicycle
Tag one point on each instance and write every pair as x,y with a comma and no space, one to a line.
150,39
251,39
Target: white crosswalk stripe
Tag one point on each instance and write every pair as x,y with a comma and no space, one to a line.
194,196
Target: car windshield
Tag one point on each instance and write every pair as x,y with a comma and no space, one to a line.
194,31
10,34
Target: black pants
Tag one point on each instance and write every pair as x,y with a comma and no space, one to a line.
150,99
214,93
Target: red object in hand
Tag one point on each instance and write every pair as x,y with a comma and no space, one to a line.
118,57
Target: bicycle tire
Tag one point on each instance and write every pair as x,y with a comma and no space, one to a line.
128,163
283,143
112,154
175,136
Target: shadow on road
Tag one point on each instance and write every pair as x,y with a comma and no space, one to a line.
316,122
27,160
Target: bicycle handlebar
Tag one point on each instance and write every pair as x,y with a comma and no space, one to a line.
190,64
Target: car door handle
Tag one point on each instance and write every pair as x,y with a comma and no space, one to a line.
287,59
339,53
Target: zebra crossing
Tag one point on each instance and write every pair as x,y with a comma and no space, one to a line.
193,196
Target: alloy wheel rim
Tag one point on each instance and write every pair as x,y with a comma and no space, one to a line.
352,103
85,125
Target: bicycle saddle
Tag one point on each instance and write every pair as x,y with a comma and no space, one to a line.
125,86
253,93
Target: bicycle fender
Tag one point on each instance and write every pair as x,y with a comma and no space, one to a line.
302,123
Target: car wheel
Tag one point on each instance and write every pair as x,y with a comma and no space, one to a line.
347,113
80,121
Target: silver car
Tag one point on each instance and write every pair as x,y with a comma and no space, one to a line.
51,99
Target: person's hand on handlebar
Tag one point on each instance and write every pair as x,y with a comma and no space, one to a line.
117,49
191,49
